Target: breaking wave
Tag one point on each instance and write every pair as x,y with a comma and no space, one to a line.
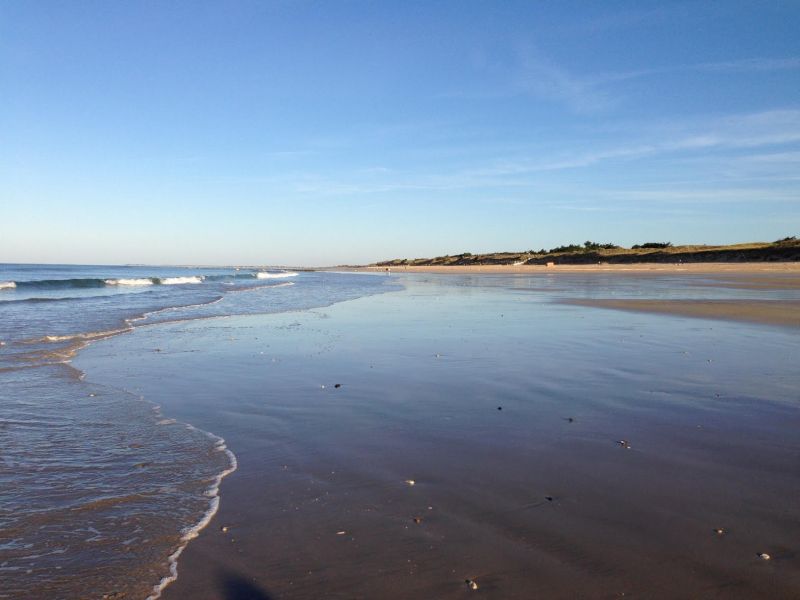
181,280
60,284
140,281
281,275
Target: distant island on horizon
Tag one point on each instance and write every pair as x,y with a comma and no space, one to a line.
784,250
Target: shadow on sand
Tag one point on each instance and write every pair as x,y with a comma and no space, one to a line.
236,587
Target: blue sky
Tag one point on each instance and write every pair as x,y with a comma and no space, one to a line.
313,133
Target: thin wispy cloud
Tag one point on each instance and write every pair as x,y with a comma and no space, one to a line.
748,65
716,195
544,79
716,145
533,73
768,128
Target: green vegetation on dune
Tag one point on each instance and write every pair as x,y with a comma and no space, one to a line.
783,250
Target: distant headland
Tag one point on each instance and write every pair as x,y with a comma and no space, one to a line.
783,250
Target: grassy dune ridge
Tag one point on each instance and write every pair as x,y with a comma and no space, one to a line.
786,250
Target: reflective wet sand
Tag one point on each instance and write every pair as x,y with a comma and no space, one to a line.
774,312
508,411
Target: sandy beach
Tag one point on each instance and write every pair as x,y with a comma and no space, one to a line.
475,430
745,276
774,312
789,268
400,301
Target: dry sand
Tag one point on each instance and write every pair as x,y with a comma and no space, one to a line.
792,268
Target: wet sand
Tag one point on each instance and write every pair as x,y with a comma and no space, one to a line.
772,312
506,410
741,276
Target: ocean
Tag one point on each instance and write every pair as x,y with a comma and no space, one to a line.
294,408
97,487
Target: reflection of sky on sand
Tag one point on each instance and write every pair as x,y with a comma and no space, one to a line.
709,410
622,285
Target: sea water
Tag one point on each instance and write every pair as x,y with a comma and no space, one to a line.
99,491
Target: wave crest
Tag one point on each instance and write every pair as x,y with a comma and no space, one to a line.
281,275
181,280
140,281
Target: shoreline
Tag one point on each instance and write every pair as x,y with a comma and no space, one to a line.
743,276
153,575
305,508
637,268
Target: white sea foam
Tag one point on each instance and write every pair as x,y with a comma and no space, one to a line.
142,281
192,532
7,285
281,275
89,335
181,280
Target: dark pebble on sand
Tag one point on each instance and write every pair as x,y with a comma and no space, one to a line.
337,385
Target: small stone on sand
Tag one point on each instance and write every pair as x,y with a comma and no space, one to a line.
410,482
764,556
471,584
